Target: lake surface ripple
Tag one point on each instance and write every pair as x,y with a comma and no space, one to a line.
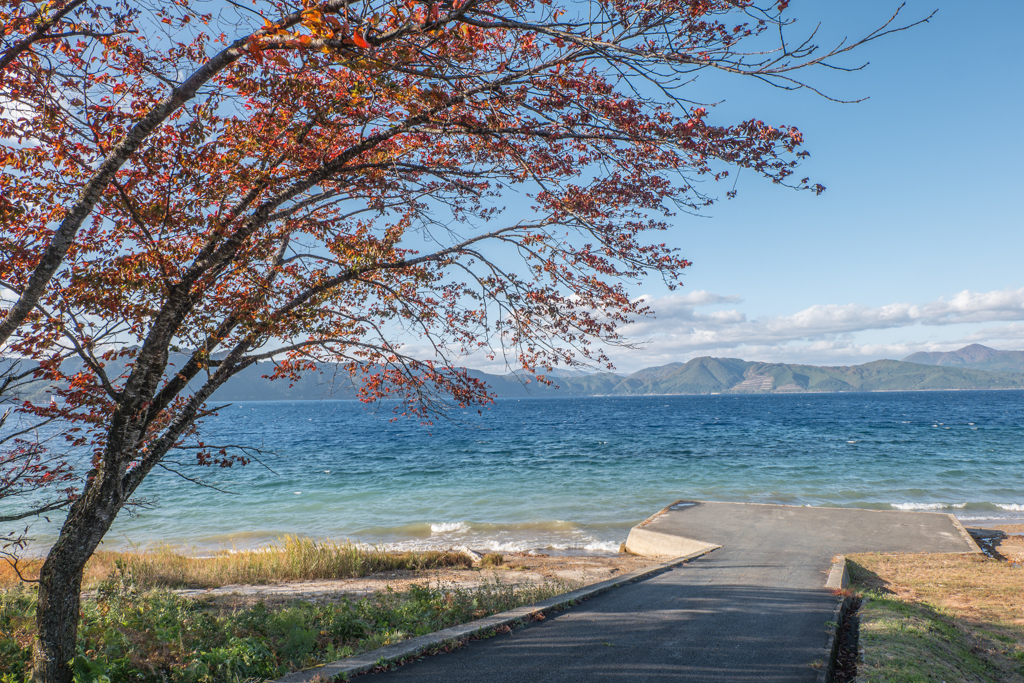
573,474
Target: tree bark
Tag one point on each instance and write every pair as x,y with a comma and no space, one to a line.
60,580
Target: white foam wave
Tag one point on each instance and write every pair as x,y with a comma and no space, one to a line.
538,546
506,547
448,527
532,545
1016,507
927,506
603,546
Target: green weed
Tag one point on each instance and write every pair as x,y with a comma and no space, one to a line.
132,634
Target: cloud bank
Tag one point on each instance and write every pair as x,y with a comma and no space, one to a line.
822,333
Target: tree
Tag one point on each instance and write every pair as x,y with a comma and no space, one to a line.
326,181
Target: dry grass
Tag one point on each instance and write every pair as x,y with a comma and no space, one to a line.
974,586
100,566
940,617
294,559
492,560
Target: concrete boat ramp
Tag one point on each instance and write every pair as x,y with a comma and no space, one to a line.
751,604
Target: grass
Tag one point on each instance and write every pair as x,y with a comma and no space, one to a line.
132,634
294,559
939,618
492,560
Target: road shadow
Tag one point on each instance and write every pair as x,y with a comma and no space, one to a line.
666,631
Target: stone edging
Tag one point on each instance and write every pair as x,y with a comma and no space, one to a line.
367,661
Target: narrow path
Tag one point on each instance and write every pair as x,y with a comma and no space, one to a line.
754,610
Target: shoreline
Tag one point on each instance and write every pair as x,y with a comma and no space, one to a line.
497,540
710,393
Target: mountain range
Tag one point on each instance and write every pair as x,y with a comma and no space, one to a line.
972,367
974,357
731,375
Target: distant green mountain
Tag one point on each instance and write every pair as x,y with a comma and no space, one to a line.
699,376
974,357
248,385
730,375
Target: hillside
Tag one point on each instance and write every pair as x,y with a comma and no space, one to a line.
247,385
973,357
730,375
699,376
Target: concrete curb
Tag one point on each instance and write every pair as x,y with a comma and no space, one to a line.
838,577
650,543
828,671
359,664
966,534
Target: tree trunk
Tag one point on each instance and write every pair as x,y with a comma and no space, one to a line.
60,587
60,580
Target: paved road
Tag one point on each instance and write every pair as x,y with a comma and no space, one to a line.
753,610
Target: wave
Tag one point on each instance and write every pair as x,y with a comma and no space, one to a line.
1015,507
602,546
491,528
928,506
550,536
534,546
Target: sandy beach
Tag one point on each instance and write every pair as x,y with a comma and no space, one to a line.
518,568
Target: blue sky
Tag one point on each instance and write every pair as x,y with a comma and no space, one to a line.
916,245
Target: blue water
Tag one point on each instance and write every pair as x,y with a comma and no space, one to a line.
573,474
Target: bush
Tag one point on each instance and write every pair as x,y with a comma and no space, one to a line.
132,635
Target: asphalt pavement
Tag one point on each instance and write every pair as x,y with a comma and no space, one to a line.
753,610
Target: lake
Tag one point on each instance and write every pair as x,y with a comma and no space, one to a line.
571,475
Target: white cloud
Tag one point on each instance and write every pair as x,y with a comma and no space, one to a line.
677,317
821,333
703,323
1014,331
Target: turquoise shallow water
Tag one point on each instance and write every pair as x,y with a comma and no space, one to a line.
573,474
